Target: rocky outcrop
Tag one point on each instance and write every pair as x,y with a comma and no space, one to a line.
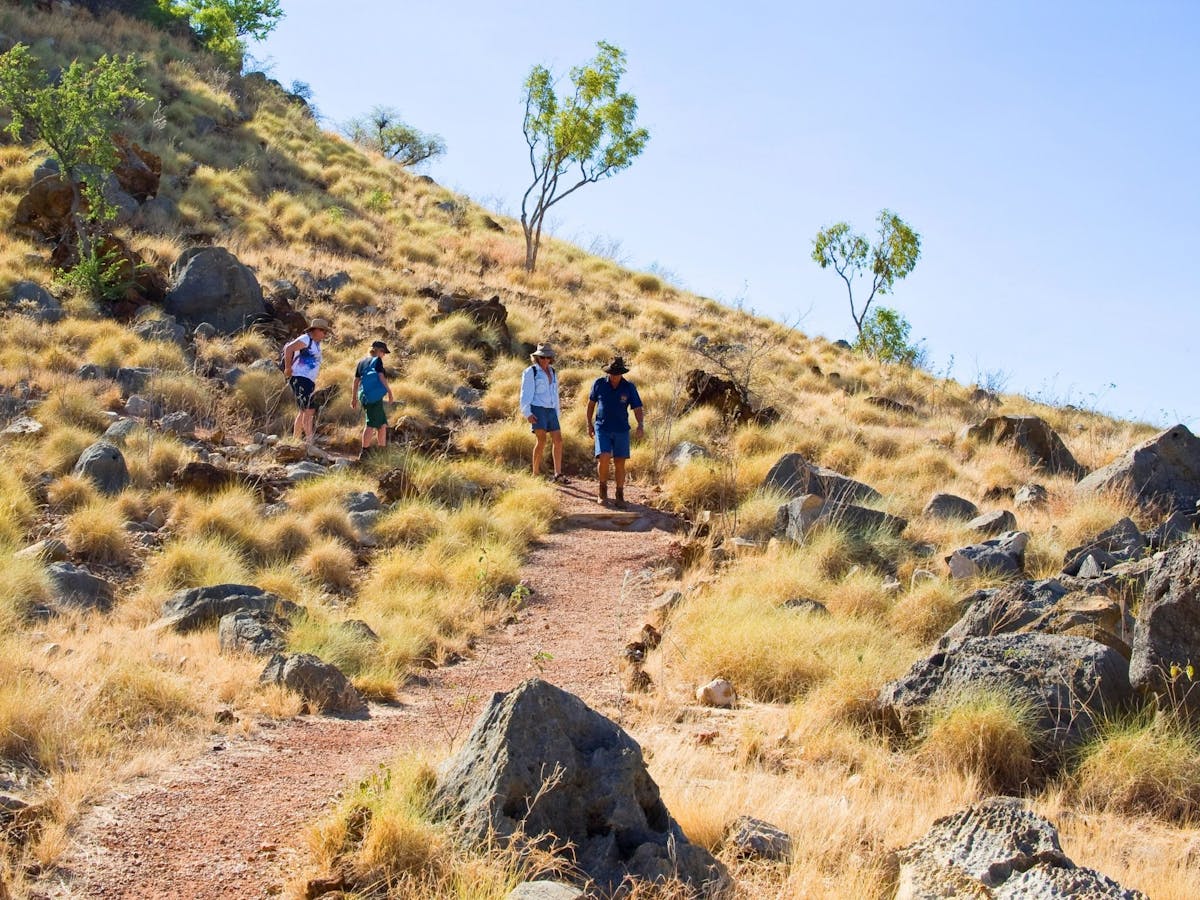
1165,470
104,465
948,506
31,299
209,284
1003,556
541,763
998,849
727,397
1069,682
1166,635
796,518
321,684
793,476
203,607
995,522
1032,436
489,313
1031,495
73,587
1120,543
254,632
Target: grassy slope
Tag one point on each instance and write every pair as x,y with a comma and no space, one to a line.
287,198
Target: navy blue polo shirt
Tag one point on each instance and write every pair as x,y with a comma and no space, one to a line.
613,403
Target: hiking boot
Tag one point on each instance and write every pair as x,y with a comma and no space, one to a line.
619,503
602,494
560,478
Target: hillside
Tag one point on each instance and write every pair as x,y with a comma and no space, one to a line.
98,692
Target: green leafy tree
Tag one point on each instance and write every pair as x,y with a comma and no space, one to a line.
74,118
891,258
588,133
884,336
383,131
223,25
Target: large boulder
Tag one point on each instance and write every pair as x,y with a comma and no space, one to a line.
1120,543
73,587
999,849
31,299
45,211
1070,684
1166,635
252,631
949,506
489,313
1004,556
727,397
540,763
1032,436
796,518
188,610
104,465
995,522
792,475
320,684
208,284
1164,470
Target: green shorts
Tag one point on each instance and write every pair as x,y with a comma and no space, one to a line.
376,415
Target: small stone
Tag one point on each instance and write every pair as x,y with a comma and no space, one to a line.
718,693
139,407
755,839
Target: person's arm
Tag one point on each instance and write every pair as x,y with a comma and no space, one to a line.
387,387
354,390
527,385
289,353
591,411
639,412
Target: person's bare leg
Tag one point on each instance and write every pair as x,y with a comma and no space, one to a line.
368,436
602,475
539,450
382,435
556,450
619,464
307,425
298,427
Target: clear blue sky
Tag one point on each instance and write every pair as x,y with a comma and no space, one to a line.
1046,152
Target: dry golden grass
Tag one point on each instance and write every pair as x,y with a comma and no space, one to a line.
983,734
96,533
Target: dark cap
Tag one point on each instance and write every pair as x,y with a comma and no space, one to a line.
380,345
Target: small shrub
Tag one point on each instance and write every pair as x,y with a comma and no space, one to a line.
985,733
329,563
97,533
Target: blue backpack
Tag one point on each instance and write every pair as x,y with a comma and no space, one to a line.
370,385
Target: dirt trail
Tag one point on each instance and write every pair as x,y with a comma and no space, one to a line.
231,823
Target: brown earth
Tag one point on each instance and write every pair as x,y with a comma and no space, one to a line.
231,823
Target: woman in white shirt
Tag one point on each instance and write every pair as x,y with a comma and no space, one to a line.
301,364
540,407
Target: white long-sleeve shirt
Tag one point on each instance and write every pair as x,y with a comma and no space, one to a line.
539,388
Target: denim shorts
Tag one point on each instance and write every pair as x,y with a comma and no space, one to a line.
547,419
614,442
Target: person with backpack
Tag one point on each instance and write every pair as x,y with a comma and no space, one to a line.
540,408
301,364
614,396
371,389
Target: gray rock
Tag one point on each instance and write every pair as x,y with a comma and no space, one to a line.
358,630
475,414
94,372
467,394
799,516
266,365
166,330
50,550
948,506
546,890
793,476
364,524
255,632
600,799
133,379
1166,635
1163,470
204,331
304,470
74,587
1031,435
103,464
318,682
1120,543
1003,610
22,426
362,501
331,284
232,376
118,431
1071,683
995,522
139,407
662,606
157,215
755,839
194,608
123,204
685,451
999,849
33,300
805,605
1171,530
1004,555
1030,495
210,285
180,424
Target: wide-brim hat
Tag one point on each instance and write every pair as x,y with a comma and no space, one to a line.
544,350
318,322
616,367
380,346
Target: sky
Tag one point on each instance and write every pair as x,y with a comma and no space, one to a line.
1047,153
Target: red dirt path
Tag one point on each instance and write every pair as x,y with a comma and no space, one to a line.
231,823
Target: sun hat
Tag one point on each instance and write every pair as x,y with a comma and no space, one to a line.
616,367
318,322
381,346
545,350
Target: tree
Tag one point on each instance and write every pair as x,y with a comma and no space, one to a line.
884,336
591,128
893,257
222,25
383,131
74,118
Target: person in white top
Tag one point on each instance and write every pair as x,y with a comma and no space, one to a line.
540,407
301,365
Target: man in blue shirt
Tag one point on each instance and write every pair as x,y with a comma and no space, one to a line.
613,396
